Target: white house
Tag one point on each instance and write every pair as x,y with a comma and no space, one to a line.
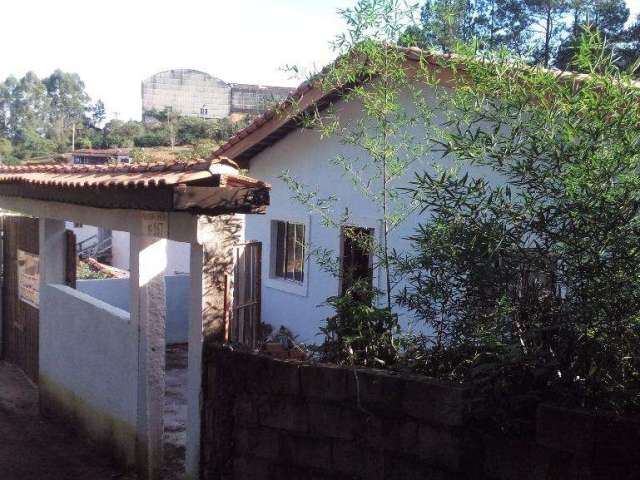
293,292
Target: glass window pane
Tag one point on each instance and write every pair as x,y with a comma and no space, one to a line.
290,250
280,248
299,253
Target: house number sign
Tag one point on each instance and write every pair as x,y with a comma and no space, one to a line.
155,224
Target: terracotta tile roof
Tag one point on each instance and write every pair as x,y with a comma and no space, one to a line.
273,124
211,187
125,175
260,120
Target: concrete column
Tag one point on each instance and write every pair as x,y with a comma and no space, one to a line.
148,260
211,260
52,246
52,253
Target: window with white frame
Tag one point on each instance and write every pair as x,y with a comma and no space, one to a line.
287,250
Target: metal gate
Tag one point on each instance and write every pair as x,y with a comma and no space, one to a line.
244,314
20,319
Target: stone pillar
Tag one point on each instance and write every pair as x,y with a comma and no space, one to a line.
147,306
211,261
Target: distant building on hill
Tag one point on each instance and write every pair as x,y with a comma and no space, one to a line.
192,93
90,156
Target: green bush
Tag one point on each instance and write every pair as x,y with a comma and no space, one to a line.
359,333
526,264
154,138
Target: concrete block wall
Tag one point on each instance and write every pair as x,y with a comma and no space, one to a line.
255,98
186,92
271,419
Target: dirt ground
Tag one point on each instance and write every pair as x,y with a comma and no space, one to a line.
34,448
175,412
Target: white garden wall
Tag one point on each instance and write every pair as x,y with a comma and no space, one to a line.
115,291
89,367
177,254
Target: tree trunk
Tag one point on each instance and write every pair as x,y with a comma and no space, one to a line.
548,34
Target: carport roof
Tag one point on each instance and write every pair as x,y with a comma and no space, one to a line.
209,187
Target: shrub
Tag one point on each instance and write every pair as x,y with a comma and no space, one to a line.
360,333
526,264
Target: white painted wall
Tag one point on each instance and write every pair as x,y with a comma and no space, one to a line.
177,254
306,156
115,291
120,249
83,232
89,365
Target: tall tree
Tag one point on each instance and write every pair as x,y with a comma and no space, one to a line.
445,23
629,47
549,17
6,101
69,103
504,23
6,149
29,108
98,114
526,260
606,16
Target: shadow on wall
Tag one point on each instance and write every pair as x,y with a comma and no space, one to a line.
223,233
115,292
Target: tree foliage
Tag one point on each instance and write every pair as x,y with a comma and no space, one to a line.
39,117
545,32
526,264
371,75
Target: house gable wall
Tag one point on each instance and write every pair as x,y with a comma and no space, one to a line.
307,157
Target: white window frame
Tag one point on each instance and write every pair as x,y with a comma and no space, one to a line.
283,284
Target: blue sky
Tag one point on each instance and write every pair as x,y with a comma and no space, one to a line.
115,44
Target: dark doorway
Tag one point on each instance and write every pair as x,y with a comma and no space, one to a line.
356,265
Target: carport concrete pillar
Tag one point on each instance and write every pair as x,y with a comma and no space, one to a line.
211,261
51,268
148,261
52,252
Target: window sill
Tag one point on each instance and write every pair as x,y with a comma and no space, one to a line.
289,286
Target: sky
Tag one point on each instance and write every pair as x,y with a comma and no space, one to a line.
114,44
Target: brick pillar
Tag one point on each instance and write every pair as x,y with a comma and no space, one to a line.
148,260
211,260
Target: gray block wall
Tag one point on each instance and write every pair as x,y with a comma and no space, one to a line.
192,93
186,92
